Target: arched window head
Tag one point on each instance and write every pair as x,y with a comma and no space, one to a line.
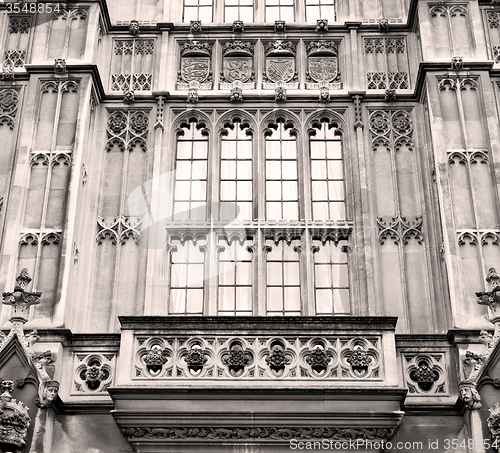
282,202
236,192
190,188
327,175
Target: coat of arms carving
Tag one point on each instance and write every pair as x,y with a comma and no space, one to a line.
237,65
195,66
323,66
280,66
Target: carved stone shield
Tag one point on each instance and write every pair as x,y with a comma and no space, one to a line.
280,69
195,69
237,68
323,69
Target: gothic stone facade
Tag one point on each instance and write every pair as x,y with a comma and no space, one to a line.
237,224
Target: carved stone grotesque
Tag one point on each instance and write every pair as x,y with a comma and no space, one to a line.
236,95
14,420
390,95
493,422
280,26
43,363
238,26
192,95
128,96
322,25
155,359
236,359
21,300
469,395
457,63
196,359
383,24
280,94
318,359
60,66
195,26
134,27
47,393
324,94
471,363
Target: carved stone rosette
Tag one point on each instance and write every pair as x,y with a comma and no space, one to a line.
93,372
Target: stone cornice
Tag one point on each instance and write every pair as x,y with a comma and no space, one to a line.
259,323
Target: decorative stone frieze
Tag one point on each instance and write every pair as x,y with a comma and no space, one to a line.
8,107
93,372
400,230
119,230
214,357
391,129
258,433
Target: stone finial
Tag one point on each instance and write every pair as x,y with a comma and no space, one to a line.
279,26
469,395
134,27
20,299
492,298
195,26
322,25
457,63
238,26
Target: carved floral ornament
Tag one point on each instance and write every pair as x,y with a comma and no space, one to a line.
257,358
94,372
264,433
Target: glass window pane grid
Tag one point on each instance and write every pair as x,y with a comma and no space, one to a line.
282,281
197,10
236,173
326,177
320,9
186,286
238,10
331,278
190,190
281,176
231,262
279,10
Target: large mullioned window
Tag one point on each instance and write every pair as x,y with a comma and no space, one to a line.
254,226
